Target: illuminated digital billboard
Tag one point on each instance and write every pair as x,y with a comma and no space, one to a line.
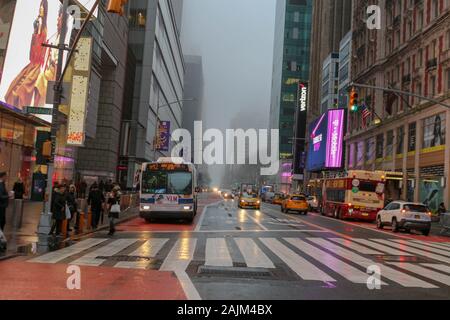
29,65
326,141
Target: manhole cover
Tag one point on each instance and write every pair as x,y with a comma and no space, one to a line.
238,272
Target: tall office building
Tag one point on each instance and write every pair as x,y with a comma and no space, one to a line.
291,67
157,65
193,96
330,23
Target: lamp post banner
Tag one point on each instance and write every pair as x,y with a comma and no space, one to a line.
163,136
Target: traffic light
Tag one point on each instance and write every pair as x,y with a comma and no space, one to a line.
116,6
353,104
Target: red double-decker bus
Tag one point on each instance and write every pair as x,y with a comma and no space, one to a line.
356,195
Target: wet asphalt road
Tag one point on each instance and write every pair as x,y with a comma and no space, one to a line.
265,254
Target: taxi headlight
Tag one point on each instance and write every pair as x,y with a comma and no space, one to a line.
146,207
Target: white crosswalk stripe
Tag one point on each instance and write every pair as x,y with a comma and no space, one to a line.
415,250
148,250
298,264
217,254
439,267
56,256
427,273
91,259
254,257
311,259
382,248
437,245
387,272
338,266
354,246
180,255
424,247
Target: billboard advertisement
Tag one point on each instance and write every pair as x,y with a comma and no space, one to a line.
29,66
326,141
300,128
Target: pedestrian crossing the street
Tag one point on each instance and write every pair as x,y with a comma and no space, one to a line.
405,263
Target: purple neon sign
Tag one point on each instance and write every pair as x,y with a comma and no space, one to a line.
335,136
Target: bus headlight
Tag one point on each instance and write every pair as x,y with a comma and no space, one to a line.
187,208
146,207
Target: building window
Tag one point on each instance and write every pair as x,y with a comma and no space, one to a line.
400,139
389,142
435,9
380,146
434,131
433,86
137,18
412,137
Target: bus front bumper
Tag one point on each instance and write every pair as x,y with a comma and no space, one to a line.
176,212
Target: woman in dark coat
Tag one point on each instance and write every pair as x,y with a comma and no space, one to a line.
96,200
58,209
71,199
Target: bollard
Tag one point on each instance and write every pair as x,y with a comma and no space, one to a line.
81,222
64,227
89,219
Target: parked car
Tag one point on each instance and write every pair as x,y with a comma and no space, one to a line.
295,202
313,203
405,215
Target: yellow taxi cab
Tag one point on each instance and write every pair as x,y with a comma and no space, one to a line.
278,198
249,200
295,202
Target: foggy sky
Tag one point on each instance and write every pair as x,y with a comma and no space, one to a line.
235,39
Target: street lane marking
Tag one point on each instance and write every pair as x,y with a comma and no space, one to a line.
303,268
180,255
56,256
386,272
354,246
217,253
108,250
423,272
381,247
414,250
149,250
222,231
256,221
253,255
347,271
178,259
424,247
205,209
439,267
437,245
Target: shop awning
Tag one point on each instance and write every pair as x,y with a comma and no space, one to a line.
19,114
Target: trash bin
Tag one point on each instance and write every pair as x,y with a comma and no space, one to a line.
17,213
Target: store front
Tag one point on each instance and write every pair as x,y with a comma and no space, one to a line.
17,145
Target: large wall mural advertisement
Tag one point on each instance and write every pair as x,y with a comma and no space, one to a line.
6,15
29,66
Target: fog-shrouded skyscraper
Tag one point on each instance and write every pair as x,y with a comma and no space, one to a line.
155,84
291,68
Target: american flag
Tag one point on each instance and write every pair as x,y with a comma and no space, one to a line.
366,113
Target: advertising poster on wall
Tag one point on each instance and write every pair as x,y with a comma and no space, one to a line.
30,66
431,193
434,131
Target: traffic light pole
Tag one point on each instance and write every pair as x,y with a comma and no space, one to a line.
399,92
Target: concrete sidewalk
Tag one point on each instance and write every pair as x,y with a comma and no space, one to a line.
26,237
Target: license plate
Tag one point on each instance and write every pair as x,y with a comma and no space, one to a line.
365,214
417,217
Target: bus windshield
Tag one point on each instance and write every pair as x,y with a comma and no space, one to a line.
163,182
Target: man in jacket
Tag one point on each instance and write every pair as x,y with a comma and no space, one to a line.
96,200
19,189
4,199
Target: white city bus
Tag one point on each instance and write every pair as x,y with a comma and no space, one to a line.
168,190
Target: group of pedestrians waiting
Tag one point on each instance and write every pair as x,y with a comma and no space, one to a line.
64,206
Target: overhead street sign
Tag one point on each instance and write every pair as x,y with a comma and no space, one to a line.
39,110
